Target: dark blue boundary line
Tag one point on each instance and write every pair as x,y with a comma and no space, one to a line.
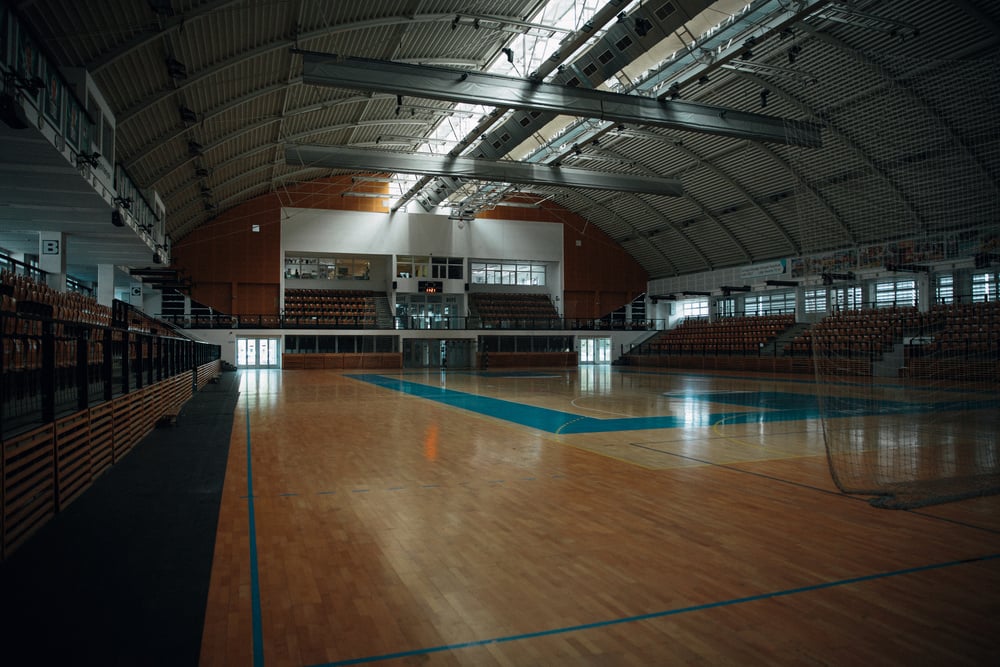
258,634
656,614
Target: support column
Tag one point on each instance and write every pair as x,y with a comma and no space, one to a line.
925,292
105,284
52,259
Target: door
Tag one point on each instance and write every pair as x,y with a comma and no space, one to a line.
437,353
595,350
257,352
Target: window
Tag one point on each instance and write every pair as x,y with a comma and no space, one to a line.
694,308
769,304
944,290
815,301
447,268
984,287
896,293
327,268
726,307
526,343
507,273
413,266
847,298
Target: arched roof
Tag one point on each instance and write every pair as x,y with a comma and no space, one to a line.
926,164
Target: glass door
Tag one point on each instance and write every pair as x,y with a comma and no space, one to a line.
257,352
595,350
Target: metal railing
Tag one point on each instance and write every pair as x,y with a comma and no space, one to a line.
50,366
404,323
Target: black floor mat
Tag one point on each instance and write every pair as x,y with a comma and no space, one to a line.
121,576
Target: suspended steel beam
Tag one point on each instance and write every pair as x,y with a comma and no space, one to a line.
442,83
338,157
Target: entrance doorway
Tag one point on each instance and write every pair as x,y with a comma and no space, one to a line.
437,353
257,352
595,350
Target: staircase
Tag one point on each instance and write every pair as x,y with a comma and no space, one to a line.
787,336
890,363
383,313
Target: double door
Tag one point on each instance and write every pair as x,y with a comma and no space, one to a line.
257,352
595,350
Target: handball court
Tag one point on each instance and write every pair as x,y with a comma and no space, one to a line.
577,517
594,516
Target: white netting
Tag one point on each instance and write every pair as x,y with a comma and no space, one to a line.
907,356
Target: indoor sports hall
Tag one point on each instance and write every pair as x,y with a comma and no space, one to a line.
520,332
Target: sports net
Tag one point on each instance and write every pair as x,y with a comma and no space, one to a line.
907,349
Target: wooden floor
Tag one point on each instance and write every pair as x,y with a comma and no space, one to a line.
432,519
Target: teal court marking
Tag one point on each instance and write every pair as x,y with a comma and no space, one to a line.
764,407
657,614
255,608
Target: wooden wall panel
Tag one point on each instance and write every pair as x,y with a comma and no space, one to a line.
238,271
28,485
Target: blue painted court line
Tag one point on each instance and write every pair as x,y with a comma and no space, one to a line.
656,614
766,407
258,633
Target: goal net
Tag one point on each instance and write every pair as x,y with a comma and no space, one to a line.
900,234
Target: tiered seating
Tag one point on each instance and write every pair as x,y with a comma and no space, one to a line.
501,309
735,335
22,351
861,333
59,429
67,306
971,329
330,307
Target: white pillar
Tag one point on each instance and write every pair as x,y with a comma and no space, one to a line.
52,258
105,284
925,292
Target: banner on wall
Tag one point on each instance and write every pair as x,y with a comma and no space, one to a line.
27,60
775,268
86,135
53,96
834,262
73,124
907,251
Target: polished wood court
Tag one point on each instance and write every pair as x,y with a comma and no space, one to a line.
388,527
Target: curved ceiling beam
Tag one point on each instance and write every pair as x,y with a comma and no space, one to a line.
600,205
129,114
218,167
289,81
917,100
733,183
149,36
676,229
853,146
239,157
267,121
834,214
228,183
705,211
653,213
175,133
